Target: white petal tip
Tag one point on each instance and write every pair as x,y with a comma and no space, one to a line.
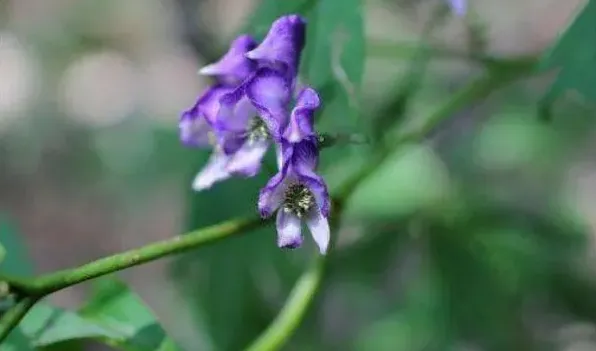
207,70
251,55
200,186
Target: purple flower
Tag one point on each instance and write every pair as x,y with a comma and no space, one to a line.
282,46
196,123
459,7
250,117
248,108
234,67
298,193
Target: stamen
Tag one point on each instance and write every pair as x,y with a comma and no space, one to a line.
257,130
298,199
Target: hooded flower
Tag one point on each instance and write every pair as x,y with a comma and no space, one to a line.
282,46
297,193
249,107
197,122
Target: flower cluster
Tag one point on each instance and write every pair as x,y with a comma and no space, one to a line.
249,109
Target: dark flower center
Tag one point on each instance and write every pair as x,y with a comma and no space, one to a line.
298,199
257,130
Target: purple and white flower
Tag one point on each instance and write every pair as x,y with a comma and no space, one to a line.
297,193
248,108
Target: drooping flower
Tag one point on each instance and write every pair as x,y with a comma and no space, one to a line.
297,193
249,107
197,125
459,7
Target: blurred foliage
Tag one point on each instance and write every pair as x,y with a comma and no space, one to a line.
575,55
113,315
463,241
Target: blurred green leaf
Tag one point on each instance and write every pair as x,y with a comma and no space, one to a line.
269,10
575,55
46,325
114,315
114,307
70,345
410,180
333,60
420,323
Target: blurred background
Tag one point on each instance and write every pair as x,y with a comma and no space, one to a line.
481,238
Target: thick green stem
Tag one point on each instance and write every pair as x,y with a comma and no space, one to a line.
59,280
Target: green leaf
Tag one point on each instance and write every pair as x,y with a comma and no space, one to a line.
46,325
117,309
269,10
409,181
333,60
575,55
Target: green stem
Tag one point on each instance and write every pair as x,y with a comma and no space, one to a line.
13,316
59,280
384,49
281,329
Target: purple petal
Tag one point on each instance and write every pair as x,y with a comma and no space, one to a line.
270,92
230,142
283,44
247,160
305,155
271,195
235,110
318,187
214,171
459,7
196,123
319,228
301,123
289,234
234,66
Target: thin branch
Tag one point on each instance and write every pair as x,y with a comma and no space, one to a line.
391,50
53,282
